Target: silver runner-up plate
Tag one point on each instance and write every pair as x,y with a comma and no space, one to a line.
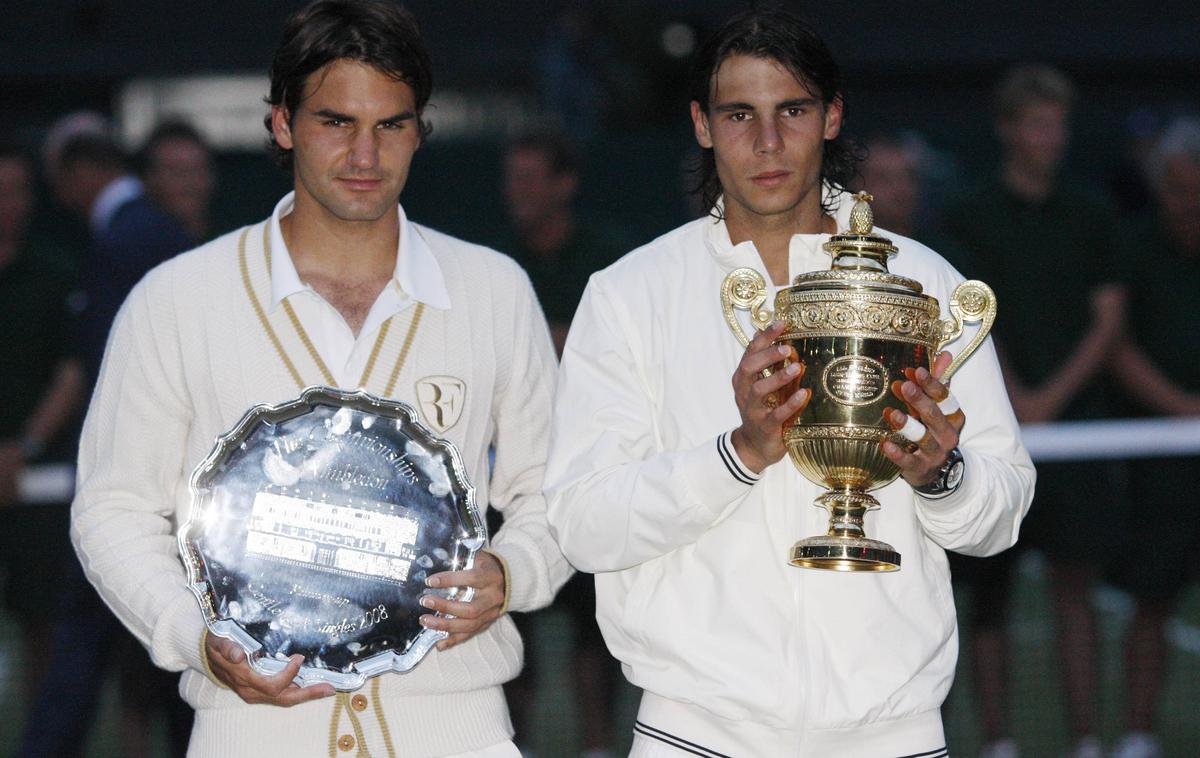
313,527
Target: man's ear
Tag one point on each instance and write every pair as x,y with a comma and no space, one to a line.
700,123
833,118
281,126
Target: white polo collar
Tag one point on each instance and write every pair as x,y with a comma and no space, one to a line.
744,254
416,277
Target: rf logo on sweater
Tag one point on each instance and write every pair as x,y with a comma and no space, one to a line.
441,399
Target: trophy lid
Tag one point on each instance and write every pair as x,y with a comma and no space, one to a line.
859,257
859,249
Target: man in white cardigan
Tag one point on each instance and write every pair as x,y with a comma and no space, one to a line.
336,287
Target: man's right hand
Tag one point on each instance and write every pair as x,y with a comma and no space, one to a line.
759,440
228,663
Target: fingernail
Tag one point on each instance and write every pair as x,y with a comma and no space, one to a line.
783,349
922,374
434,581
909,389
427,621
295,658
778,323
792,369
426,601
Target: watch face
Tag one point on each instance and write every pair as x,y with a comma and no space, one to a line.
954,475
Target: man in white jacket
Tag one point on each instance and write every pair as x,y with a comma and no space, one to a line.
671,486
307,297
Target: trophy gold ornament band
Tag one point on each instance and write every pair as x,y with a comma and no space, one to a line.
313,526
856,327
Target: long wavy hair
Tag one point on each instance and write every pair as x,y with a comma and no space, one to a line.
781,36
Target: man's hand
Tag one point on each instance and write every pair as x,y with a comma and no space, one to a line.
921,393
465,620
228,663
11,465
761,399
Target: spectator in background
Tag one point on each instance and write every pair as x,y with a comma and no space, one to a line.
129,236
1156,364
176,166
895,175
557,249
1048,250
559,252
41,391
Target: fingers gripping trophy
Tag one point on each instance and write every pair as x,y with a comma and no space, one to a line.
857,328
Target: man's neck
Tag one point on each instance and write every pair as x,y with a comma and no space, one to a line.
547,236
1028,183
353,250
347,263
772,234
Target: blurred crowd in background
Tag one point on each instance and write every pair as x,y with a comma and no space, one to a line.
1096,272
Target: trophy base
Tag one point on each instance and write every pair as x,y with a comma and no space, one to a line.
845,554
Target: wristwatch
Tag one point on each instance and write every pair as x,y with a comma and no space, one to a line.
948,478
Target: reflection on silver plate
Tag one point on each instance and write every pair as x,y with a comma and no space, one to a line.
313,527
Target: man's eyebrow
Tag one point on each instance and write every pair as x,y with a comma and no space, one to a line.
329,113
402,116
798,102
334,115
730,107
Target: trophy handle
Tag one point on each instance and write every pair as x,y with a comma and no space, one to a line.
745,289
972,301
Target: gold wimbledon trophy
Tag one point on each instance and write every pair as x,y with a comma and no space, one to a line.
856,327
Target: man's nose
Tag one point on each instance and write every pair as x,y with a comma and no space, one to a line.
769,139
364,149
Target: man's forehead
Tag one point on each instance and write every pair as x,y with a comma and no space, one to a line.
346,68
730,78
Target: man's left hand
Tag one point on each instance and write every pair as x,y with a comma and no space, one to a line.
921,393
465,620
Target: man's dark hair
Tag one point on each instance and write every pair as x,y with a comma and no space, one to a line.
783,37
377,33
560,153
172,129
96,149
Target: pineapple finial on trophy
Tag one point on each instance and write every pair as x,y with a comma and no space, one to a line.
862,220
860,248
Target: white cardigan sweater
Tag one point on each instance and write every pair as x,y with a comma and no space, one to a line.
187,357
737,650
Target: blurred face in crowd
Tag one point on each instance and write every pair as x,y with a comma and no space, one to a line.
353,138
1035,137
891,176
1178,191
179,176
79,183
533,189
767,132
16,197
